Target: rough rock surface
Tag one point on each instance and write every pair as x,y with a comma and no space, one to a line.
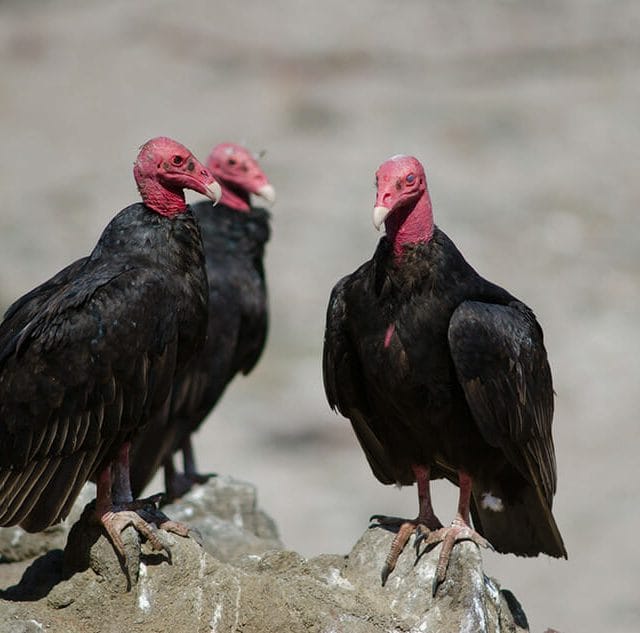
255,587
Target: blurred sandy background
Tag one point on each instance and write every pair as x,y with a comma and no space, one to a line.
527,116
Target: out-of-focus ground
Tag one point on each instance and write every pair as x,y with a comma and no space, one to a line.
527,116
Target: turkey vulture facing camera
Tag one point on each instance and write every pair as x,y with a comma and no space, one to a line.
443,374
88,356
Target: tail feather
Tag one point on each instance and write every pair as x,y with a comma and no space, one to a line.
521,524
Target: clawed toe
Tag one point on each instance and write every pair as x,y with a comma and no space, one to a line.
146,519
404,532
449,537
381,520
179,484
427,536
163,522
200,478
115,522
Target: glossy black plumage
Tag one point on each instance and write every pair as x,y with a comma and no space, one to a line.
436,366
234,244
87,356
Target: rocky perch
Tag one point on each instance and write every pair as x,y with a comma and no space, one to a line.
241,579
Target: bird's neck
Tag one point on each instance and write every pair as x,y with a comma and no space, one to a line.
234,197
410,225
167,202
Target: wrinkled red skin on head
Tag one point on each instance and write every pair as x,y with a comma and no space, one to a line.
163,169
402,187
238,172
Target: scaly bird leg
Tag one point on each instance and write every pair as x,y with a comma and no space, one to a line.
178,484
425,522
459,530
116,509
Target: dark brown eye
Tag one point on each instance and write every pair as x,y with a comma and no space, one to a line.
177,160
231,162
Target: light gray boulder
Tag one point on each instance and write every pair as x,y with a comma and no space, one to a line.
256,587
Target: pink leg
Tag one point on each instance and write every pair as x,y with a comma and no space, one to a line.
116,509
459,530
114,519
425,522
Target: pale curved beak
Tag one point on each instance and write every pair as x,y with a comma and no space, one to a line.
268,193
214,192
379,215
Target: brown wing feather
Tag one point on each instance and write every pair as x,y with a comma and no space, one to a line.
501,363
75,382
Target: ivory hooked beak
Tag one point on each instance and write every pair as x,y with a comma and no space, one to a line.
268,193
214,192
379,215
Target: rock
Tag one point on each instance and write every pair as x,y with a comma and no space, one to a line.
225,513
249,587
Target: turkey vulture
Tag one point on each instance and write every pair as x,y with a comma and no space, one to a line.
233,236
89,355
443,374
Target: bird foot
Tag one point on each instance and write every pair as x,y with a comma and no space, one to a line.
155,516
146,518
404,529
115,521
181,483
458,531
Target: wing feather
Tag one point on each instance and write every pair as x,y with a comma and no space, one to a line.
74,380
501,363
343,382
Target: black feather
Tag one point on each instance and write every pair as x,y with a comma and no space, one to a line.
87,355
436,366
234,244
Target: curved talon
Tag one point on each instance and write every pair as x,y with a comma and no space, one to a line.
383,519
386,570
422,533
163,522
115,522
434,585
142,504
199,478
405,530
196,536
179,484
449,537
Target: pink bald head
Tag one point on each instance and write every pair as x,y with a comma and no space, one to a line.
163,169
239,174
403,202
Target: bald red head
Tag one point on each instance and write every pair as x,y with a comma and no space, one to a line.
163,169
403,202
239,175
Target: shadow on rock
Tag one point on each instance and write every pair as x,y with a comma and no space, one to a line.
38,579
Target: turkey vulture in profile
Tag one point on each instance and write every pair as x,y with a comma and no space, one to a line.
89,355
443,374
234,235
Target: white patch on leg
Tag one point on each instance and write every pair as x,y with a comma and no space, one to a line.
490,502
